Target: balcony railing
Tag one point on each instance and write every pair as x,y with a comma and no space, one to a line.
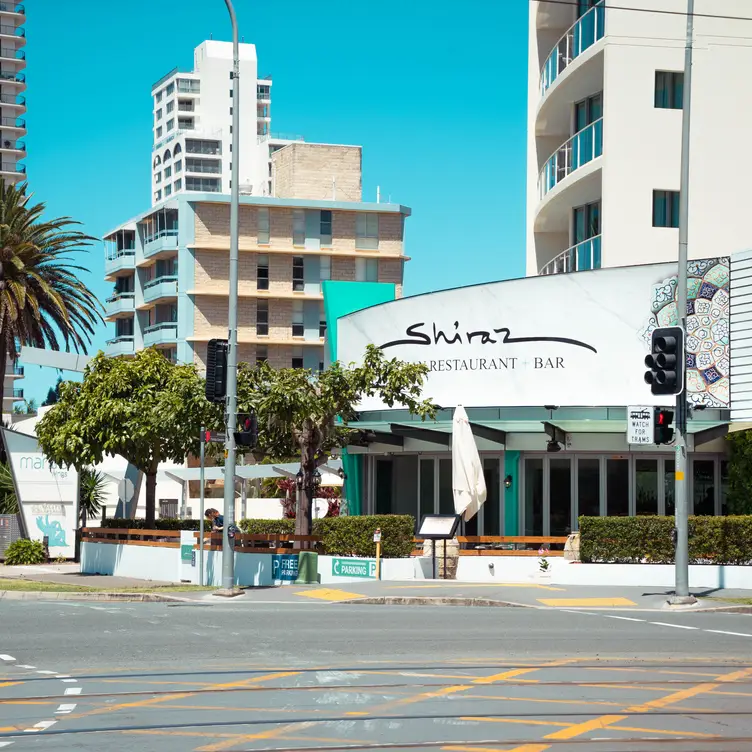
167,233
18,394
120,253
584,33
10,122
13,31
121,296
579,258
189,86
12,76
159,281
212,150
12,8
11,99
16,145
582,148
186,107
12,52
18,370
200,166
10,167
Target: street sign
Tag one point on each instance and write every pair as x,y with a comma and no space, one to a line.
354,568
216,436
377,535
285,567
640,425
186,552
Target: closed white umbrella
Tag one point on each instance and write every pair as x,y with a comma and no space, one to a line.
468,481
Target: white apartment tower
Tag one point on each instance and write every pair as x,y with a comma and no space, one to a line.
604,132
12,84
193,125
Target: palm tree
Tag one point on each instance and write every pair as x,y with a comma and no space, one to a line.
43,303
91,486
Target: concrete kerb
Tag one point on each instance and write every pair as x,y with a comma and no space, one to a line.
406,600
36,595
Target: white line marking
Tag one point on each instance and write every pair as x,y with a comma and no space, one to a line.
570,611
623,618
720,631
4,657
48,673
31,730
63,676
666,624
73,691
66,708
44,724
5,744
25,665
68,681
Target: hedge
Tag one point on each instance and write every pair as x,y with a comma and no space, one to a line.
349,536
630,540
166,523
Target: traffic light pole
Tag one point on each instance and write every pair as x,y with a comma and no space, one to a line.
228,546
682,595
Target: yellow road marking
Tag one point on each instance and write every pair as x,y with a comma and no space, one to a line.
524,721
648,671
329,594
586,602
743,674
479,585
10,683
503,676
583,728
270,734
665,731
458,748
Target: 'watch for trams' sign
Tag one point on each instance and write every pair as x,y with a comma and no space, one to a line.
564,339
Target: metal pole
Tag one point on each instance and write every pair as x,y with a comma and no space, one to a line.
682,595
201,509
228,553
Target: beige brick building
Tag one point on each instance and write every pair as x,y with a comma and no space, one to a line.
170,266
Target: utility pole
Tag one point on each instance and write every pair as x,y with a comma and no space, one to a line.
228,543
202,481
682,596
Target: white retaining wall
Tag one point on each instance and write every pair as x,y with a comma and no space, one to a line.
563,572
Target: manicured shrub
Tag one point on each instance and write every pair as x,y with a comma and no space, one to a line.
627,540
162,524
267,527
25,551
353,536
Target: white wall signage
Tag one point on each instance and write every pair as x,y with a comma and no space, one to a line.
566,339
46,493
640,425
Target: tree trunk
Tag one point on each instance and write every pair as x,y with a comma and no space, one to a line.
305,496
3,361
151,498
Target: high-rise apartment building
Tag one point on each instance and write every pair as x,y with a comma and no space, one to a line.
170,265
12,86
604,132
193,126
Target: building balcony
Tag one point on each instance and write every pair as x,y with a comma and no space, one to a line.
13,123
204,167
11,31
13,100
15,8
13,147
11,53
12,77
161,287
160,242
161,335
122,345
581,257
582,148
12,169
121,261
120,304
584,33
14,371
18,394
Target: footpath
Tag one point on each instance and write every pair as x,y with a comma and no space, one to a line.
65,582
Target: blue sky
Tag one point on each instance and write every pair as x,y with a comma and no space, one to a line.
435,92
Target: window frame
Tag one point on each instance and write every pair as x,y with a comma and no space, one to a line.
365,239
262,271
262,318
298,283
263,233
326,221
298,228
297,321
669,96
671,208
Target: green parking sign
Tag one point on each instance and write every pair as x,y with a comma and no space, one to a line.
354,568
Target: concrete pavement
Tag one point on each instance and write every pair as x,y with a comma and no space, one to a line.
300,677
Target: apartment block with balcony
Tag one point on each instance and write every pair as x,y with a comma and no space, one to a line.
604,133
12,86
170,266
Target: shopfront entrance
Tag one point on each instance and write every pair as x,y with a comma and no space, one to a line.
556,489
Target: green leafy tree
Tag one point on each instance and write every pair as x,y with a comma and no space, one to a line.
740,473
298,410
144,408
43,302
91,485
53,393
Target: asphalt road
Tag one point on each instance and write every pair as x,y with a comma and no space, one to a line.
313,676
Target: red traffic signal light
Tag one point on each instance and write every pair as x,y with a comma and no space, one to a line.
246,430
663,433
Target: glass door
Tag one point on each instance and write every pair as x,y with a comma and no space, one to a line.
559,496
533,510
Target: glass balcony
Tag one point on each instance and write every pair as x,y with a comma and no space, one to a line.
18,394
579,258
12,53
119,304
12,31
161,287
122,345
162,240
12,8
582,148
119,260
16,370
164,333
11,122
13,99
584,33
18,169
12,76
13,145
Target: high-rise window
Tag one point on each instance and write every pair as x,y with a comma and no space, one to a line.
159,132
168,190
158,114
158,195
367,231
669,90
665,208
263,226
170,124
167,171
325,227
262,318
262,272
298,274
158,98
297,357
158,177
298,227
587,112
298,325
178,166
366,270
262,354
178,184
322,322
325,268
170,88
170,106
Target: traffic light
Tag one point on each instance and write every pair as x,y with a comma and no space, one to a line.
663,433
216,370
246,434
666,361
